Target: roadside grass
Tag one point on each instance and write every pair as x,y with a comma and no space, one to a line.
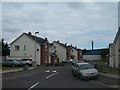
8,68
108,70
103,67
5,68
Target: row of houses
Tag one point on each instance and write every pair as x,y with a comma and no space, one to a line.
41,50
114,57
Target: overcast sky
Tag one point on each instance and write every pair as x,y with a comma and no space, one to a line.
77,23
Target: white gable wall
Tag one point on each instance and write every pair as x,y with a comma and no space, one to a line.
30,48
119,51
75,53
116,54
114,60
111,63
60,51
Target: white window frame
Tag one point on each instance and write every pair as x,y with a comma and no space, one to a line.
24,48
17,47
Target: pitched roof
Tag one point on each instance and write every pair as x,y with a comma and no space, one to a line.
38,39
63,45
75,48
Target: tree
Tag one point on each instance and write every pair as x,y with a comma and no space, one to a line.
5,48
84,51
104,53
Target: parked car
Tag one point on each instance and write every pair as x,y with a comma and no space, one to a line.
67,61
27,61
76,61
21,62
11,62
84,70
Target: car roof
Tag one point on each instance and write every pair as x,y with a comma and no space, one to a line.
81,63
9,59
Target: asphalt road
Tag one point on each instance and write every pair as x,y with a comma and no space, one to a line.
52,77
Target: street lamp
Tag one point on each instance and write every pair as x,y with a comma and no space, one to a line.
35,50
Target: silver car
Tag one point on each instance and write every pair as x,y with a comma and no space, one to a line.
84,70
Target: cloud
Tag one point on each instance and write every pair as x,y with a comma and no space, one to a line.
0,21
60,0
78,22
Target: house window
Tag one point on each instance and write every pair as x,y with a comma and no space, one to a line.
72,50
17,47
45,48
24,47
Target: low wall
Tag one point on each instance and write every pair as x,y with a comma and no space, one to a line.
92,57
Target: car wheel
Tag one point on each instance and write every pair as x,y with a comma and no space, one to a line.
13,65
80,77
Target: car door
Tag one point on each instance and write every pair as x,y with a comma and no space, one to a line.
74,68
10,62
77,70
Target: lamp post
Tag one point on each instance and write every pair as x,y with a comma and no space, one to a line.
35,50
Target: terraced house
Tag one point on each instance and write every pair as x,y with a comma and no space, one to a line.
41,51
65,52
114,59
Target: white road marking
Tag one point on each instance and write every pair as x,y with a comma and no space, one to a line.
47,71
54,71
100,83
51,75
33,86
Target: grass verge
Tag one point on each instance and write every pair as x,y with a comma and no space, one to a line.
103,67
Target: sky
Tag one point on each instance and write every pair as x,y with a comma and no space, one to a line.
76,23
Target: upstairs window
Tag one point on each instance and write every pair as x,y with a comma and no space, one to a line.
24,47
17,47
46,48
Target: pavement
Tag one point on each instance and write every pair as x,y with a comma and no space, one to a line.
115,76
17,70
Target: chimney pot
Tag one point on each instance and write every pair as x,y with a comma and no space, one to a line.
57,41
46,39
29,33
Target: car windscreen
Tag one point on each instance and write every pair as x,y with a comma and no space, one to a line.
85,66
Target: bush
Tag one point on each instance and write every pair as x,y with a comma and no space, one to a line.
59,64
49,64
